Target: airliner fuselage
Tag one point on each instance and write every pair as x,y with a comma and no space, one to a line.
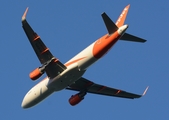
69,75
75,69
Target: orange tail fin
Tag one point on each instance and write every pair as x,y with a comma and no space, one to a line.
122,17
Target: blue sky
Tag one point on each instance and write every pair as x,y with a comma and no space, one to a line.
67,27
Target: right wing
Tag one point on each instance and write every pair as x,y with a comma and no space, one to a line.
85,85
52,65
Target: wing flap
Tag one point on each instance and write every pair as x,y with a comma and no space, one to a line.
54,68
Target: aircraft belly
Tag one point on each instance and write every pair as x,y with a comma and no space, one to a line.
48,86
66,78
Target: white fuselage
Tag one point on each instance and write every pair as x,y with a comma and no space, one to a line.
73,72
76,67
48,86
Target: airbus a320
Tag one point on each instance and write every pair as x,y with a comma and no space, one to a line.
69,75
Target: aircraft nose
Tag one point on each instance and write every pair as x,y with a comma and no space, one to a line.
24,104
28,101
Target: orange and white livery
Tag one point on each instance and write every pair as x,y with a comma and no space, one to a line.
69,75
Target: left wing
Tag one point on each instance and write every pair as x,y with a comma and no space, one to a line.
85,85
52,65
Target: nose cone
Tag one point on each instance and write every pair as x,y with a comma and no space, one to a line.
28,101
25,104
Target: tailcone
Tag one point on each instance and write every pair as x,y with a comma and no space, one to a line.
122,29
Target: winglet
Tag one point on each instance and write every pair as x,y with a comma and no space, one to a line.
122,17
24,15
145,91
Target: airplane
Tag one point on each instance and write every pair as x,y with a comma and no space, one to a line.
69,75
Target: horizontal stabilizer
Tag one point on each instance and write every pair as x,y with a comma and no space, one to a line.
110,25
128,37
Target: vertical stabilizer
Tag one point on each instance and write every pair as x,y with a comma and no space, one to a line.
122,17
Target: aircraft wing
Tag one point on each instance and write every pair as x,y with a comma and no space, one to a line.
85,85
52,65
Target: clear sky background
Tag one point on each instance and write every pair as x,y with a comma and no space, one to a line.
67,27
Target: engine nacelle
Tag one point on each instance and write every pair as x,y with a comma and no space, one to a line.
35,74
77,98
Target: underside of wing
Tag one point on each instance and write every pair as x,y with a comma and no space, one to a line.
39,47
51,65
85,85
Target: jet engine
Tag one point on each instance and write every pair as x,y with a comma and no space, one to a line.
35,74
77,98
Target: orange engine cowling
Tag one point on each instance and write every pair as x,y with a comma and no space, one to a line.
75,99
35,74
